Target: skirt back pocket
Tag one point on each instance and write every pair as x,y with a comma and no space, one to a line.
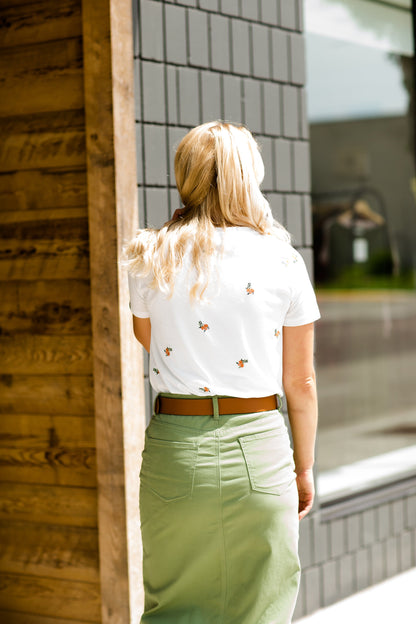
269,460
168,468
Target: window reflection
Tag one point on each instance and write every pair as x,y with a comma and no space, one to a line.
361,109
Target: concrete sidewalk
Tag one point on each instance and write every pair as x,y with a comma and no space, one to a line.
392,601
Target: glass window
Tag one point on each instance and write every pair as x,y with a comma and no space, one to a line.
361,121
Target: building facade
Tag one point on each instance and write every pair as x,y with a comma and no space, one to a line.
327,87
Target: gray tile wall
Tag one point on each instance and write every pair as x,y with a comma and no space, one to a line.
244,61
343,555
240,61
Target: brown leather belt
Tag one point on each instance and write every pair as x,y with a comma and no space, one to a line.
204,406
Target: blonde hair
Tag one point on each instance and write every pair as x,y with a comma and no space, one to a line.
218,170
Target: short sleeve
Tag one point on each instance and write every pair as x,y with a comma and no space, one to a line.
138,304
303,306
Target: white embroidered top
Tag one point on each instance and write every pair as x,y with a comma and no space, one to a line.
230,344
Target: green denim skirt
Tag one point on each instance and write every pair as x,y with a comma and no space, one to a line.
219,520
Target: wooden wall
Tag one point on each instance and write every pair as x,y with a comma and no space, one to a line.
71,389
49,500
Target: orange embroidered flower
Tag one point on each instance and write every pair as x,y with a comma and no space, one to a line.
276,333
203,326
156,371
167,351
241,363
249,289
205,389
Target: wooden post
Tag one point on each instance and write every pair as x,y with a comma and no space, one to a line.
117,362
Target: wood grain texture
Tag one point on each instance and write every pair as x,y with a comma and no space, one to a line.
118,374
6,3
50,189
49,560
72,506
46,394
52,219
48,449
54,139
45,20
49,550
50,596
50,355
52,307
12,617
39,248
43,259
51,72
32,225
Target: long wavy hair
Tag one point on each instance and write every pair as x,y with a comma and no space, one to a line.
218,170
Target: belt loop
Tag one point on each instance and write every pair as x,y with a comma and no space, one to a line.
156,405
279,402
215,409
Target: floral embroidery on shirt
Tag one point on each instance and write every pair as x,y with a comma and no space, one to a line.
286,261
249,289
277,333
203,326
205,389
167,351
156,371
241,363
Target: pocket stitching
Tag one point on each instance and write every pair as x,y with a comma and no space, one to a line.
264,434
177,443
191,446
278,489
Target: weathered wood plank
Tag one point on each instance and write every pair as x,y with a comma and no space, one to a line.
36,248
31,250
51,72
10,218
11,617
72,506
49,223
37,259
6,3
44,20
119,399
31,260
53,307
44,189
46,394
59,355
49,596
48,449
49,550
55,139
27,431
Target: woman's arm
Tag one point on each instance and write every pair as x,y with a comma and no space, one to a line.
142,330
300,390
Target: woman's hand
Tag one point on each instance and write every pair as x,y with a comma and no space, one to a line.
178,214
306,491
